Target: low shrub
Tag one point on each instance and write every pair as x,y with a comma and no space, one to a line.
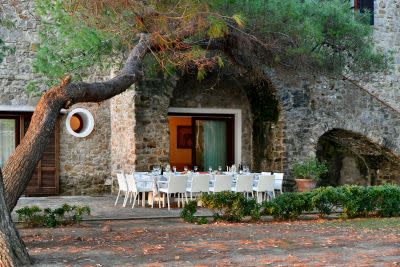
326,199
289,205
351,200
231,206
202,220
34,216
358,201
187,213
77,213
31,216
388,200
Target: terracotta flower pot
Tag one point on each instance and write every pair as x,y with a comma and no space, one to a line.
305,185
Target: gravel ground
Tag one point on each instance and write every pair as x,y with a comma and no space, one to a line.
169,242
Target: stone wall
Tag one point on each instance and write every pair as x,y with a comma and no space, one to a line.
84,162
122,143
311,107
387,38
268,146
151,128
16,70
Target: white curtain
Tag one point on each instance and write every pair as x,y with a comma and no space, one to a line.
7,139
214,137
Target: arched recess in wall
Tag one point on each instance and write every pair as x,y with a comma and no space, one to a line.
355,159
262,142
267,127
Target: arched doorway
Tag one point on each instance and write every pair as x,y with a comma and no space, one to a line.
355,159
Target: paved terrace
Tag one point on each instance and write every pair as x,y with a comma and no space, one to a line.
102,207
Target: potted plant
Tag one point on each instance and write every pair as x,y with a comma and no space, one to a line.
308,173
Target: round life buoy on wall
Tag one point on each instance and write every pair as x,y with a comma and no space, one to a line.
79,122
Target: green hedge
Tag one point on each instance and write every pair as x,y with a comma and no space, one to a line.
351,200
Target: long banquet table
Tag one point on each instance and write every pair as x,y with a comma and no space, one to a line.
149,180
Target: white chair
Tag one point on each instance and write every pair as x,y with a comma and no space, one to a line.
221,183
144,184
265,185
278,181
176,184
134,189
200,184
122,187
244,184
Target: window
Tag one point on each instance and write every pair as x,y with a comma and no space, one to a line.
45,179
8,140
364,6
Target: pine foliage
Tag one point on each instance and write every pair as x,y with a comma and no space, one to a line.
67,46
311,34
307,35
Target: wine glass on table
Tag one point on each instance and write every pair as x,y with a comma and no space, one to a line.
159,170
195,168
185,168
174,169
210,169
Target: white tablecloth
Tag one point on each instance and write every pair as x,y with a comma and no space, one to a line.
149,180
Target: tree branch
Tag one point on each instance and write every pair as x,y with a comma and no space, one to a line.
20,166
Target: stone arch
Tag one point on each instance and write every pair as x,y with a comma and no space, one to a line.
312,106
354,158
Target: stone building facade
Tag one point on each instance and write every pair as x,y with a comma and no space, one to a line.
131,130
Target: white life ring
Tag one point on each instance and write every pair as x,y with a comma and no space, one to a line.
79,122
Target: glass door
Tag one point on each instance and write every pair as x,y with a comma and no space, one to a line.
8,138
213,142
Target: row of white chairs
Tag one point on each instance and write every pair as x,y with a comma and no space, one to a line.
131,189
177,184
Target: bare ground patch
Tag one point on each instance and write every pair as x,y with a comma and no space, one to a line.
169,242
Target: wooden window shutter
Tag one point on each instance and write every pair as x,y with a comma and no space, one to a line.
45,180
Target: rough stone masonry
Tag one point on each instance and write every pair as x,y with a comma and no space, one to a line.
131,130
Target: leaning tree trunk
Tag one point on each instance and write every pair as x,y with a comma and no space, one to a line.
12,248
20,166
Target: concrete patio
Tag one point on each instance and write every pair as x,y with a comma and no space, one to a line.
102,207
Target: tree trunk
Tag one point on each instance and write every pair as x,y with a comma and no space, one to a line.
19,168
12,248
